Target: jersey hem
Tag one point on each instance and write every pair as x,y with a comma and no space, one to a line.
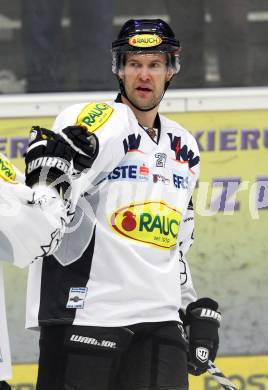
53,322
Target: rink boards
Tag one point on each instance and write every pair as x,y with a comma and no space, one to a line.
247,373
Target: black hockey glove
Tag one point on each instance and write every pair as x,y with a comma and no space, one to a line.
48,160
55,152
84,144
4,386
203,321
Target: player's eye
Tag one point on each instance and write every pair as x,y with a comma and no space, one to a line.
133,64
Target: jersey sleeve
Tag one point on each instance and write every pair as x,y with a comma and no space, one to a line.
32,223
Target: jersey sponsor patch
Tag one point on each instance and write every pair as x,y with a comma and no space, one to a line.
94,115
184,155
137,170
153,222
77,296
157,178
132,143
181,181
7,172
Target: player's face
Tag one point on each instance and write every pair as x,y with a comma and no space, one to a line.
144,78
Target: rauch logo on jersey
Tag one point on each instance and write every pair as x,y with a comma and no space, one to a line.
6,171
94,115
154,223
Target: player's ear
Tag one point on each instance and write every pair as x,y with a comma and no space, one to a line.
121,74
169,75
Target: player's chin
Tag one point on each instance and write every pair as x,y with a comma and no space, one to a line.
144,105
144,102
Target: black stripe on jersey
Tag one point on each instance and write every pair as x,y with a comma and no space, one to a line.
190,205
157,125
56,282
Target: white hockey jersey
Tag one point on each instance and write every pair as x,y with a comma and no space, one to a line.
124,251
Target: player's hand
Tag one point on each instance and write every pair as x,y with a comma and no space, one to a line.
4,386
48,160
84,144
55,155
203,321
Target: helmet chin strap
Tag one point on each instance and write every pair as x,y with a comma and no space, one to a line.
123,93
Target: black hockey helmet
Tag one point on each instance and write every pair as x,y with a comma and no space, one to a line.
146,36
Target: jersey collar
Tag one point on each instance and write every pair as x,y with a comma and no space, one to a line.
157,122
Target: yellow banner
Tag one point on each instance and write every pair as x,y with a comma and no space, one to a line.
14,136
229,256
246,373
24,376
234,160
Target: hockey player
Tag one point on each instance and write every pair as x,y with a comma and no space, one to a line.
110,318
32,221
